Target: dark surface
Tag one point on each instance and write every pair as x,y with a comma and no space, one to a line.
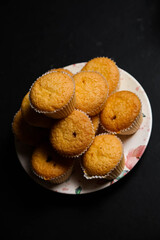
38,36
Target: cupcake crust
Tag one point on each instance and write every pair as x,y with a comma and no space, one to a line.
120,111
91,92
32,117
47,164
107,68
95,121
61,70
52,91
26,133
103,155
72,135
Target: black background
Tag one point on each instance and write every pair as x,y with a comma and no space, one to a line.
36,36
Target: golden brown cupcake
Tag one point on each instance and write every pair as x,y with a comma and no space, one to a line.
49,166
91,92
104,158
53,94
95,121
32,117
26,133
61,70
122,113
107,68
72,135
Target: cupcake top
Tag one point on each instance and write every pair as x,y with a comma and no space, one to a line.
95,121
32,117
61,70
27,133
103,155
107,68
47,164
120,111
91,92
52,91
72,135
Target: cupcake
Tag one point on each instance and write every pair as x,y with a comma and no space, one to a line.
26,133
107,68
32,117
53,94
91,92
61,70
72,135
49,166
95,121
122,113
104,158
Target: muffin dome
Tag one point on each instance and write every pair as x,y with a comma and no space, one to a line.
122,113
72,135
103,156
26,133
53,94
91,92
107,68
32,117
48,165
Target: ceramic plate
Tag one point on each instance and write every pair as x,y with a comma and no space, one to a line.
134,145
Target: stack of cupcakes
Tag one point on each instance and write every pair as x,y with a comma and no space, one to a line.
63,114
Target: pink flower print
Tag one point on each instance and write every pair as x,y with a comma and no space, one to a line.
137,88
134,155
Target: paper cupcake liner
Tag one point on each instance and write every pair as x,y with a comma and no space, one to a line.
61,112
81,153
118,84
56,180
132,128
115,172
100,107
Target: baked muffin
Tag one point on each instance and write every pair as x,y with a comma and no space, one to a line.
61,70
91,92
122,113
53,94
26,133
32,117
72,135
49,166
104,158
107,68
95,121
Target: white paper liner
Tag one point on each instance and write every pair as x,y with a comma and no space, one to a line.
132,128
61,112
100,107
118,84
81,153
56,180
115,172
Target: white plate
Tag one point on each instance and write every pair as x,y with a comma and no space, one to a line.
134,145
